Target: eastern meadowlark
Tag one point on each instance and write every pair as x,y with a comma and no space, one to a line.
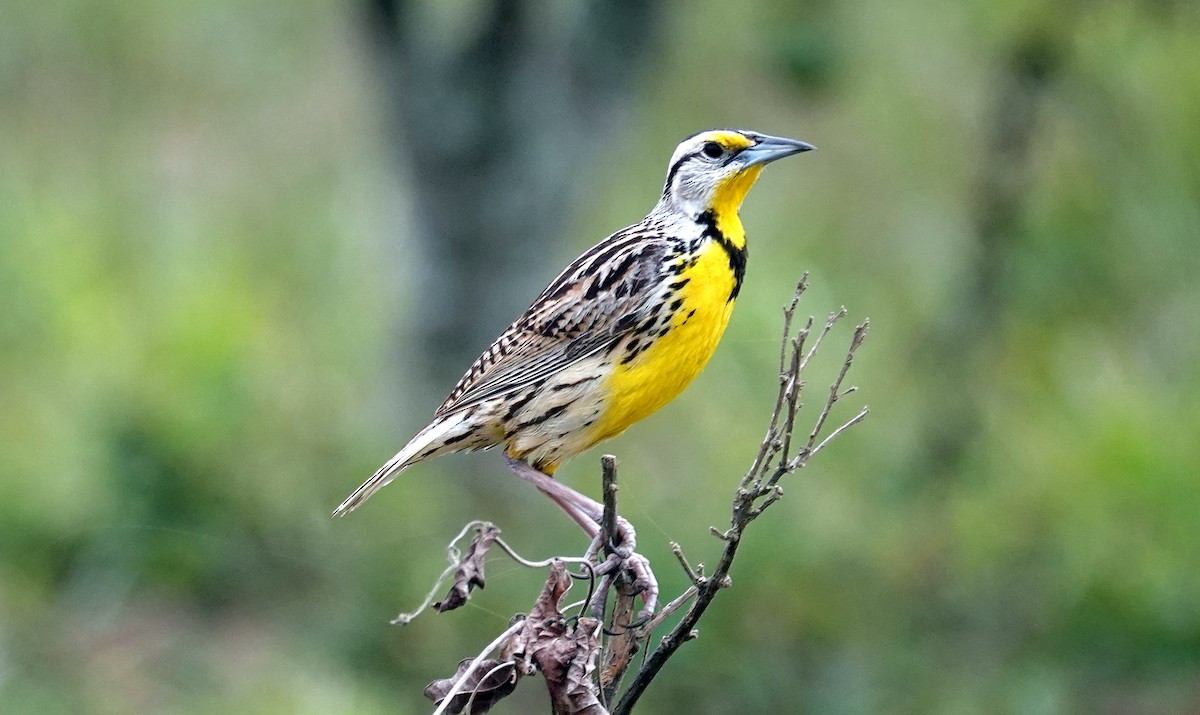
618,334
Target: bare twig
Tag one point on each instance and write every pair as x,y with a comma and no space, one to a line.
759,487
608,523
697,579
666,611
860,334
623,642
862,415
527,563
786,383
774,494
461,566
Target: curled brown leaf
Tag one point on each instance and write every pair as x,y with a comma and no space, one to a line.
484,687
568,661
470,570
564,650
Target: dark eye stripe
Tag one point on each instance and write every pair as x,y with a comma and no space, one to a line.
674,169
730,153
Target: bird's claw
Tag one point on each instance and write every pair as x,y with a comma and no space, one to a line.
645,583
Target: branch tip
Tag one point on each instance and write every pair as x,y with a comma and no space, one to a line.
696,578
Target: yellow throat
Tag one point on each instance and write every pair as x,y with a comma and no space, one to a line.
705,303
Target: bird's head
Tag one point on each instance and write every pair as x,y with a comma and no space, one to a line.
713,170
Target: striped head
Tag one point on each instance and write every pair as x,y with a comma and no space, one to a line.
714,170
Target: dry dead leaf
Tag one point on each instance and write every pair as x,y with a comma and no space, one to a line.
470,571
487,684
563,650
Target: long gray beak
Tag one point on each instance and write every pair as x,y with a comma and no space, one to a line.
768,148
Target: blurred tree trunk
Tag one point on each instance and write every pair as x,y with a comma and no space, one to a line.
1029,71
497,108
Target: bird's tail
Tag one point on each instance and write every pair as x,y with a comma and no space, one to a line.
445,434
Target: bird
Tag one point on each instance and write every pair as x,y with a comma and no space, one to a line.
618,334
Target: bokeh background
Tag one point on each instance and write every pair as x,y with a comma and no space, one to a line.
245,248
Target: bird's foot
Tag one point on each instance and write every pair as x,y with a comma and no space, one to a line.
644,583
589,514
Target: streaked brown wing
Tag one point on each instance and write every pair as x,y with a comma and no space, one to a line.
597,299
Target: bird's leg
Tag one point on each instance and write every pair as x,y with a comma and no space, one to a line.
588,513
566,498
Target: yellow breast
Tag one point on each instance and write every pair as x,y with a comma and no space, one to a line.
661,371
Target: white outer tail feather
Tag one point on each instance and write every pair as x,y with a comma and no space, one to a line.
437,431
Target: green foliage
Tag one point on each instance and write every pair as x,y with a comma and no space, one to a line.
204,274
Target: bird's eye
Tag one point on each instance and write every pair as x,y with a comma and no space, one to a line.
713,150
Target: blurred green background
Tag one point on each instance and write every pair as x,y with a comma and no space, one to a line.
219,264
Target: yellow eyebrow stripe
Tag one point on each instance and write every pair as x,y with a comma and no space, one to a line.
729,140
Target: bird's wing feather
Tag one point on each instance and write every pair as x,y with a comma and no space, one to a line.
597,299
